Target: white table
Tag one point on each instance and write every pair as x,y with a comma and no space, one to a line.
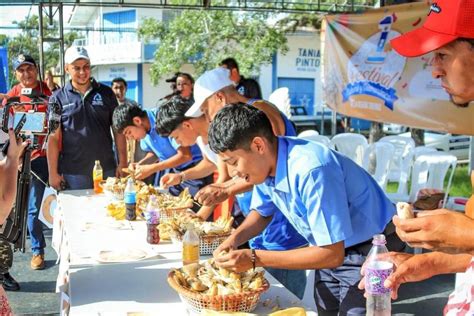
115,289
82,229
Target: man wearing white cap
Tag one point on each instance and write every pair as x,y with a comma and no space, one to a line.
212,91
448,32
85,133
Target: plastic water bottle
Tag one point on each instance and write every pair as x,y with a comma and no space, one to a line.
190,246
97,176
152,217
376,272
130,201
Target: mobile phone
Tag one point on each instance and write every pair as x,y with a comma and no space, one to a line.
17,130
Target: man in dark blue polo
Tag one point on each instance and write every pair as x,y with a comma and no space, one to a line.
85,134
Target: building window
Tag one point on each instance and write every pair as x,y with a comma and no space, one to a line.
120,27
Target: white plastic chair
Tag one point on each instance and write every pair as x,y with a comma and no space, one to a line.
382,154
421,150
317,138
429,171
308,133
308,297
281,98
351,145
402,161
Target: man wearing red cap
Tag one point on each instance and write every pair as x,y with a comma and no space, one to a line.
449,33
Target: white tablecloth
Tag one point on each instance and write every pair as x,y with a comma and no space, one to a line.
82,229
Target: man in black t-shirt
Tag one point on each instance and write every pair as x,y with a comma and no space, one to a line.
247,87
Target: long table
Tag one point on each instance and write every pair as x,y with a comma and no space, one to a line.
82,229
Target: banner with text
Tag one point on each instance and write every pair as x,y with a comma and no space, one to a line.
364,77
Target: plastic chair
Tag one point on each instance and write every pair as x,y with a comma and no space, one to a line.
429,171
381,154
402,161
281,98
308,297
421,150
317,138
351,145
308,133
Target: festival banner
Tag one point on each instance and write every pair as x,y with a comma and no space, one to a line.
365,78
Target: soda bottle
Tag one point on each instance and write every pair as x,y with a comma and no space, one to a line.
97,176
130,201
152,217
190,246
376,272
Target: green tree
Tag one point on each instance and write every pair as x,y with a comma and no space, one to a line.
27,41
205,37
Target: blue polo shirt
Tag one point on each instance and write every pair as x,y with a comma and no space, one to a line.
279,233
326,196
165,147
86,128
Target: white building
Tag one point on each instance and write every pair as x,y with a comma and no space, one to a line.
116,51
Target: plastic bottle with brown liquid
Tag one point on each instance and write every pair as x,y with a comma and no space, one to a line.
97,176
190,246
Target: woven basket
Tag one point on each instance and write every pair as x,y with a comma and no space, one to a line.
208,243
196,302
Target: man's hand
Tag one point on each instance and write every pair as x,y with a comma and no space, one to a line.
55,181
442,230
169,180
119,173
235,260
228,245
212,194
143,171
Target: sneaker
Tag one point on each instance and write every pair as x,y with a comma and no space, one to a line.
37,262
9,283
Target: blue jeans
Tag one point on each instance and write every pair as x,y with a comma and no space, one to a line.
40,167
82,182
293,280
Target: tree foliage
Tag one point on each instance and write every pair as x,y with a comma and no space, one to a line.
205,37
27,41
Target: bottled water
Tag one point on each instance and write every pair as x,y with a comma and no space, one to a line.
130,201
376,272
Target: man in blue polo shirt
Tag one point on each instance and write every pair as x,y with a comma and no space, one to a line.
330,201
85,134
163,153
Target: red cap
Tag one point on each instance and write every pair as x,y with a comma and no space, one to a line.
447,20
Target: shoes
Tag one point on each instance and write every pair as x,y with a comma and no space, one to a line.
37,262
9,283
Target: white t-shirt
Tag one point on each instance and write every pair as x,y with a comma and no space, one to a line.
206,150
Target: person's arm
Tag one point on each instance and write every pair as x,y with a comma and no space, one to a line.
9,174
326,257
183,155
149,158
253,225
442,230
121,144
414,268
203,169
52,155
274,115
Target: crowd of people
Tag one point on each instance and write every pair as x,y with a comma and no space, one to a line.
299,205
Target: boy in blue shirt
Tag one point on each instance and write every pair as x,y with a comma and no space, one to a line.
329,200
163,153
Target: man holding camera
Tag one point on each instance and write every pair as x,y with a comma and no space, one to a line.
85,133
26,72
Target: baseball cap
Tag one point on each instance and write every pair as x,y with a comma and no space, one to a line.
447,20
23,59
74,53
206,85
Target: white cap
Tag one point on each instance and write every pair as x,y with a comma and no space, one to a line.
206,85
74,53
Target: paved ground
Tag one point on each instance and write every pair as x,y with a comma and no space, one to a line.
37,296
